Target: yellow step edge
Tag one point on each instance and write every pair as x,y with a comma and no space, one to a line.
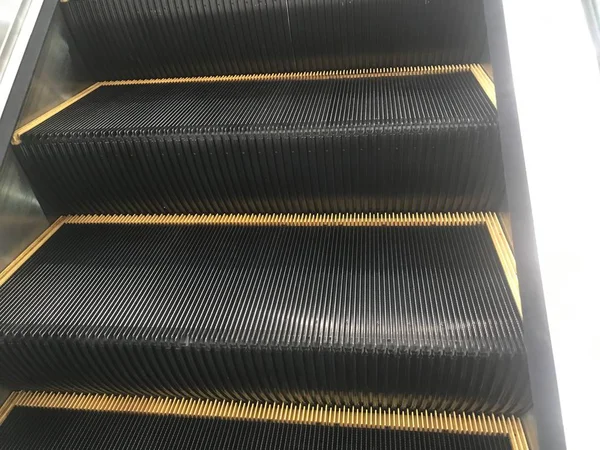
505,221
303,414
506,256
485,81
501,244
318,75
476,69
309,220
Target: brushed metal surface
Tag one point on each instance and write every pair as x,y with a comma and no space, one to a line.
59,73
10,25
21,218
17,19
548,116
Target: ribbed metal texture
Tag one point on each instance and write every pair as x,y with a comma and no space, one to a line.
124,39
58,429
410,317
380,144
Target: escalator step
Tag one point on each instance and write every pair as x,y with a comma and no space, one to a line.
391,312
327,144
123,39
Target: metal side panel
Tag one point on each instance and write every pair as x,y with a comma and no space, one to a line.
42,70
59,73
548,94
27,38
21,218
12,27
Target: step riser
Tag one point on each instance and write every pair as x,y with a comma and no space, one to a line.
173,38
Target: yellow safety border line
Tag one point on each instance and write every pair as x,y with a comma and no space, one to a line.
506,256
320,75
476,69
309,220
485,81
409,219
350,417
505,221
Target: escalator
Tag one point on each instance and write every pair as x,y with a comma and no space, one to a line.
273,225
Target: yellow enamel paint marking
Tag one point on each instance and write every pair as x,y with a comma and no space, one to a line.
485,81
476,69
506,223
308,220
506,257
350,417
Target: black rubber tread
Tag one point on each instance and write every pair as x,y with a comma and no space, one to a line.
410,317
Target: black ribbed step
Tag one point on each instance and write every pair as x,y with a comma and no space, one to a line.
411,317
370,144
40,428
124,39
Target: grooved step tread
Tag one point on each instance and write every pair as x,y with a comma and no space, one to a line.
270,310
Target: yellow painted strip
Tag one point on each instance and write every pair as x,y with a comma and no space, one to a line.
9,403
350,417
16,139
321,75
484,80
24,256
506,223
308,220
506,257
